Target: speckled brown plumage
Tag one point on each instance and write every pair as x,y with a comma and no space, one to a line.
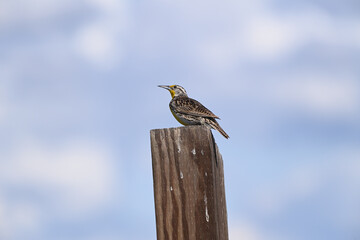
186,105
188,111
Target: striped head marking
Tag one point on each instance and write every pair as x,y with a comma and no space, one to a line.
175,90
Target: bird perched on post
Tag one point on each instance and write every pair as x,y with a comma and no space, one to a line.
188,111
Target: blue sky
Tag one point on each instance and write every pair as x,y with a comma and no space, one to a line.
79,95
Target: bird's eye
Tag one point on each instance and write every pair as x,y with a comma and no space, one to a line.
175,86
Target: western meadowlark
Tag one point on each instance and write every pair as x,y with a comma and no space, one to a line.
188,111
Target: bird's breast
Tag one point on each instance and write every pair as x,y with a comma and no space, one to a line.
182,120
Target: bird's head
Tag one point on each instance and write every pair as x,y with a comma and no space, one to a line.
175,90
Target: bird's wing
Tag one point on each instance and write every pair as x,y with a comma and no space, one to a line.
187,105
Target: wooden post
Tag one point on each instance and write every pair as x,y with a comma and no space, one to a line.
188,184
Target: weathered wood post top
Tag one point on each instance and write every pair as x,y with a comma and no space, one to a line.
188,184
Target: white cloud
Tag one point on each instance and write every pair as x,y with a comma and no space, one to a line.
72,181
30,12
79,173
244,230
101,236
267,37
344,179
107,6
259,33
337,177
319,94
17,218
101,40
4,101
275,197
96,44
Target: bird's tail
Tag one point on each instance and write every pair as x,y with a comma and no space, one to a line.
215,125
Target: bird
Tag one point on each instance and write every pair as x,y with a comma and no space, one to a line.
188,111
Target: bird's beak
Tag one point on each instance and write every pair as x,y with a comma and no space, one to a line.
164,86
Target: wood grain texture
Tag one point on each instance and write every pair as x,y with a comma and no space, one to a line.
188,184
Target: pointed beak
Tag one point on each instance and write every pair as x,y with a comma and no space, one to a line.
164,86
